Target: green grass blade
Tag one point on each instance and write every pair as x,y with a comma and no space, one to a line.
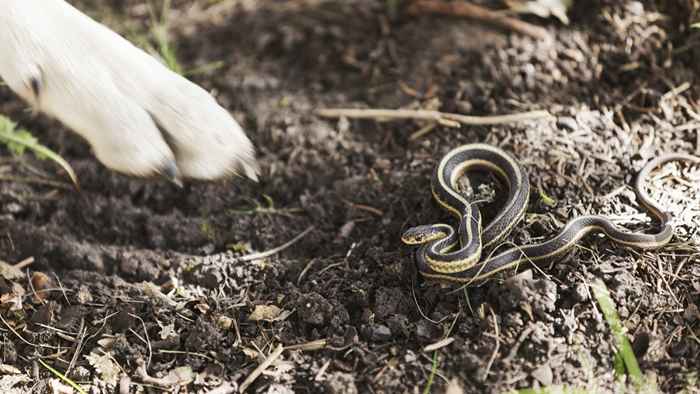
619,365
433,372
625,352
62,377
9,136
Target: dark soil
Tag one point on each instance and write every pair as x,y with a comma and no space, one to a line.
149,274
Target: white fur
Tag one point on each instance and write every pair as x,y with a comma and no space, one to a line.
115,95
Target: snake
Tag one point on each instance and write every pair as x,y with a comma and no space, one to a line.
469,253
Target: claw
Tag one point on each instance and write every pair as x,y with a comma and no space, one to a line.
172,173
251,171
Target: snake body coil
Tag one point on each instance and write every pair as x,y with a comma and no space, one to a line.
458,255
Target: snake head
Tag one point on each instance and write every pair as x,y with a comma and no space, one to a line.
426,233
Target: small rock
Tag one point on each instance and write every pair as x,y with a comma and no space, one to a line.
399,325
314,309
379,333
40,283
13,208
410,357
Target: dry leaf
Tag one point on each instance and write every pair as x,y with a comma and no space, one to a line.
10,272
224,322
84,295
14,297
103,364
106,342
58,387
542,8
265,313
7,383
180,376
9,370
251,353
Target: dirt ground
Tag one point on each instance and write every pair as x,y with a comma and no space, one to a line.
137,286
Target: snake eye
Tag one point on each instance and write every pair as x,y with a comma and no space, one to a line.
422,234
415,235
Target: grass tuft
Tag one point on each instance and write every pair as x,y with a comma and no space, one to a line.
159,31
18,141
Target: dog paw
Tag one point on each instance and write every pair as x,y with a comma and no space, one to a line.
139,117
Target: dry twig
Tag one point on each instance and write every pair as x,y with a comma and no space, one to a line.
24,263
472,11
444,118
486,370
438,345
273,251
261,368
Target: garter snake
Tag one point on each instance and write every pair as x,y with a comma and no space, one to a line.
464,254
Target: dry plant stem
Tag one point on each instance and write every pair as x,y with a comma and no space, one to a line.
486,370
310,346
322,371
21,338
24,263
145,378
437,116
261,368
467,10
78,347
274,251
438,345
363,207
124,384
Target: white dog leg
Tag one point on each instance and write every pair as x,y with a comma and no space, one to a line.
139,117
